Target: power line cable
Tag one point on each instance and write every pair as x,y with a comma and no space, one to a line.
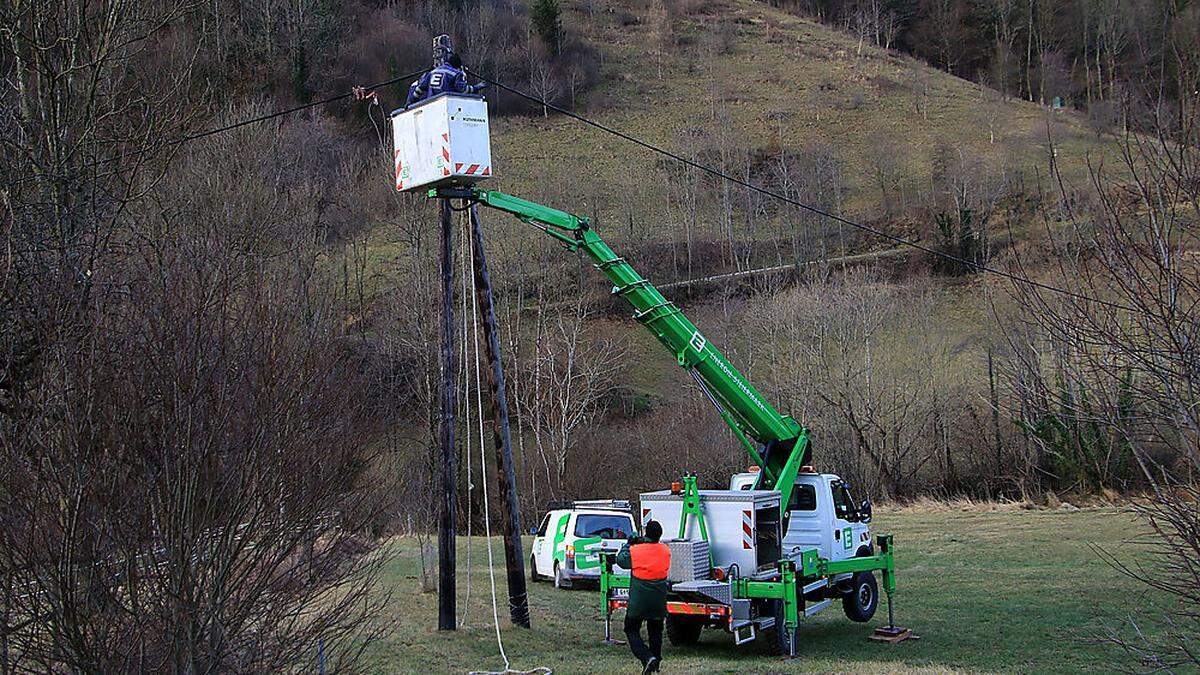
355,91
808,207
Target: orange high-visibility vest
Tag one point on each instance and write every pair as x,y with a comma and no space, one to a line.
650,561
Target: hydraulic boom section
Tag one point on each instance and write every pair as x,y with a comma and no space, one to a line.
784,442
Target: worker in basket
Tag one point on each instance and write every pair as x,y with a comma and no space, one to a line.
446,76
648,561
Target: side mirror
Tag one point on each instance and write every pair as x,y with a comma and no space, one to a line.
864,511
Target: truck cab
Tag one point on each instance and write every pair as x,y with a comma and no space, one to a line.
820,514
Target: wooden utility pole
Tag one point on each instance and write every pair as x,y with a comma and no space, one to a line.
514,557
446,524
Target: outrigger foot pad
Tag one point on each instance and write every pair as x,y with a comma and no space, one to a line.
893,634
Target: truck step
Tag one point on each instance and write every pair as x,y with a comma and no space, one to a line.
809,610
819,583
744,633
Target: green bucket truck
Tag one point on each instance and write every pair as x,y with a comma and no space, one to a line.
783,542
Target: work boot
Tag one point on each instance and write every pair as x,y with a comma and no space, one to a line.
651,666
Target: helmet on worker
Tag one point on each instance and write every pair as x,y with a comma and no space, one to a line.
447,76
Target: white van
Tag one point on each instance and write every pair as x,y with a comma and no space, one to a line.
567,543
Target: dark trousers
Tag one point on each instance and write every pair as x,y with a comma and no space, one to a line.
633,632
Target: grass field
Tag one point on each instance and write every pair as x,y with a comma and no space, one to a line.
1004,590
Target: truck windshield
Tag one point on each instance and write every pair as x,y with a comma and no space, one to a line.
603,526
843,503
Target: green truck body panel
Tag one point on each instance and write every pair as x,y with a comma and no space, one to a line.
559,553
586,554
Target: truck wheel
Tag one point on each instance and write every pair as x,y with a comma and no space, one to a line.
560,579
683,631
533,575
778,638
861,601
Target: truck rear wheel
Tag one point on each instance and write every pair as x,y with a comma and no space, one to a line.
779,639
861,601
683,631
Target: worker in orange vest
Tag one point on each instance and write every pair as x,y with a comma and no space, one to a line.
648,561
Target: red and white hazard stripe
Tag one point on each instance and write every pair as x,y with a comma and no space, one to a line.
472,170
645,516
747,529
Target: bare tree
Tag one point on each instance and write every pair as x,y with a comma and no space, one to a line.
565,385
662,24
1112,383
543,75
856,382
965,193
182,448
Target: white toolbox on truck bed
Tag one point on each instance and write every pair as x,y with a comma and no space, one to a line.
743,525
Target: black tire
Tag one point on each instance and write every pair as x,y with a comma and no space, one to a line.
861,601
533,574
683,631
778,638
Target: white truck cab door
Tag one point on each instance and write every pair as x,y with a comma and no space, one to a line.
806,527
848,535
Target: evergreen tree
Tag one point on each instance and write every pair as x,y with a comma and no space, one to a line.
547,22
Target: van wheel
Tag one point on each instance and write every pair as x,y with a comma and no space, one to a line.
779,639
683,631
560,579
861,601
533,575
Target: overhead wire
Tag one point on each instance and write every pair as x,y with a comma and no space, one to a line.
360,92
902,241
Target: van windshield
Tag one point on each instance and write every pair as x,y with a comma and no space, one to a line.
603,526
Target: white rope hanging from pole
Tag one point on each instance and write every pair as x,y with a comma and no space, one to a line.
483,477
466,252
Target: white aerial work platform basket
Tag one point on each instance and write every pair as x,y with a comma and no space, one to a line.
442,141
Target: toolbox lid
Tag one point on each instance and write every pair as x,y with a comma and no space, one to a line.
735,496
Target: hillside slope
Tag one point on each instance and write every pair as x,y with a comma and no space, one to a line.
784,83
748,88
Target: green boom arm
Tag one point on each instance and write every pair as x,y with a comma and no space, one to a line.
784,442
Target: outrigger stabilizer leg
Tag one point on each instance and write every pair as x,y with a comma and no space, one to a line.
606,564
891,633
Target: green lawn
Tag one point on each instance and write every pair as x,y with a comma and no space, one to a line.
1006,590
